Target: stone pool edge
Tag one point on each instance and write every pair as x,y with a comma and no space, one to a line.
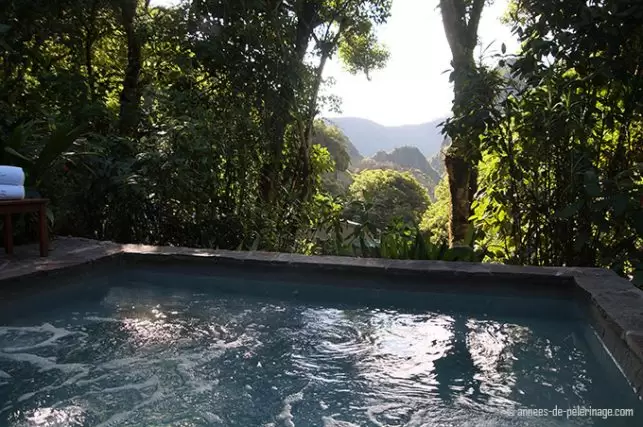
614,305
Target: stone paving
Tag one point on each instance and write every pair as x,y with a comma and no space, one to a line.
615,306
64,252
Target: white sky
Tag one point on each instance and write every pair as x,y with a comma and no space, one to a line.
413,87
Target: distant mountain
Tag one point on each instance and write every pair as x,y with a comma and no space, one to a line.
329,135
353,152
370,137
437,160
408,159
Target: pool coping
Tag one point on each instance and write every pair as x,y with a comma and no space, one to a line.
614,305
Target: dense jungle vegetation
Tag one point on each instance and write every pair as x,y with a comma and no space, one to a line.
198,125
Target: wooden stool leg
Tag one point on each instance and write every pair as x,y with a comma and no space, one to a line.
44,232
8,234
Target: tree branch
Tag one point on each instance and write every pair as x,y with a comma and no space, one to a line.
454,25
474,21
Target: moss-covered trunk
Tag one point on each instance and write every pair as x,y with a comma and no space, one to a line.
460,22
284,103
463,184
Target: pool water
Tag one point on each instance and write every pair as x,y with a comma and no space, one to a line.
154,348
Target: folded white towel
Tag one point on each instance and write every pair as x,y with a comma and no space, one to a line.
11,175
11,192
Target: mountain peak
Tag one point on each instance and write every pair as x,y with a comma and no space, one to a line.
370,137
407,157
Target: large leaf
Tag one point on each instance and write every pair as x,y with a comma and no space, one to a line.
17,155
60,140
20,135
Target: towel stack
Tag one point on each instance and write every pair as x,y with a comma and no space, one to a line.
12,181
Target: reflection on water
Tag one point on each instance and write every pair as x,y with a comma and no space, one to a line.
144,356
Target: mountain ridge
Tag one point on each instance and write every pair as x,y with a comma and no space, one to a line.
370,137
405,159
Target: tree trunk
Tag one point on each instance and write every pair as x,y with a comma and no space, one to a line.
270,171
306,167
461,29
130,98
90,68
281,116
90,39
463,177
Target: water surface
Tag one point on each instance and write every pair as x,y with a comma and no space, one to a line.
152,349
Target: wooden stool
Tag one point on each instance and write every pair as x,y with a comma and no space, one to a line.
8,207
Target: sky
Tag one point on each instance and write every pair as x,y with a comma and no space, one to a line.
413,87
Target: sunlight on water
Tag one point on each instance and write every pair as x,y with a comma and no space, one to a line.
142,355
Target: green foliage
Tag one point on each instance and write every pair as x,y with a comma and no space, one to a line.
196,120
332,138
358,46
392,195
370,163
336,179
461,19
560,175
435,219
402,241
398,240
52,141
409,158
195,125
405,158
362,53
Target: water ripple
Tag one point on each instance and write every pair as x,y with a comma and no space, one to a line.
156,358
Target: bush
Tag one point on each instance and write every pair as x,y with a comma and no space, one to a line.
389,195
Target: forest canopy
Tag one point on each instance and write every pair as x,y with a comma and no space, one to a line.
198,117
198,125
